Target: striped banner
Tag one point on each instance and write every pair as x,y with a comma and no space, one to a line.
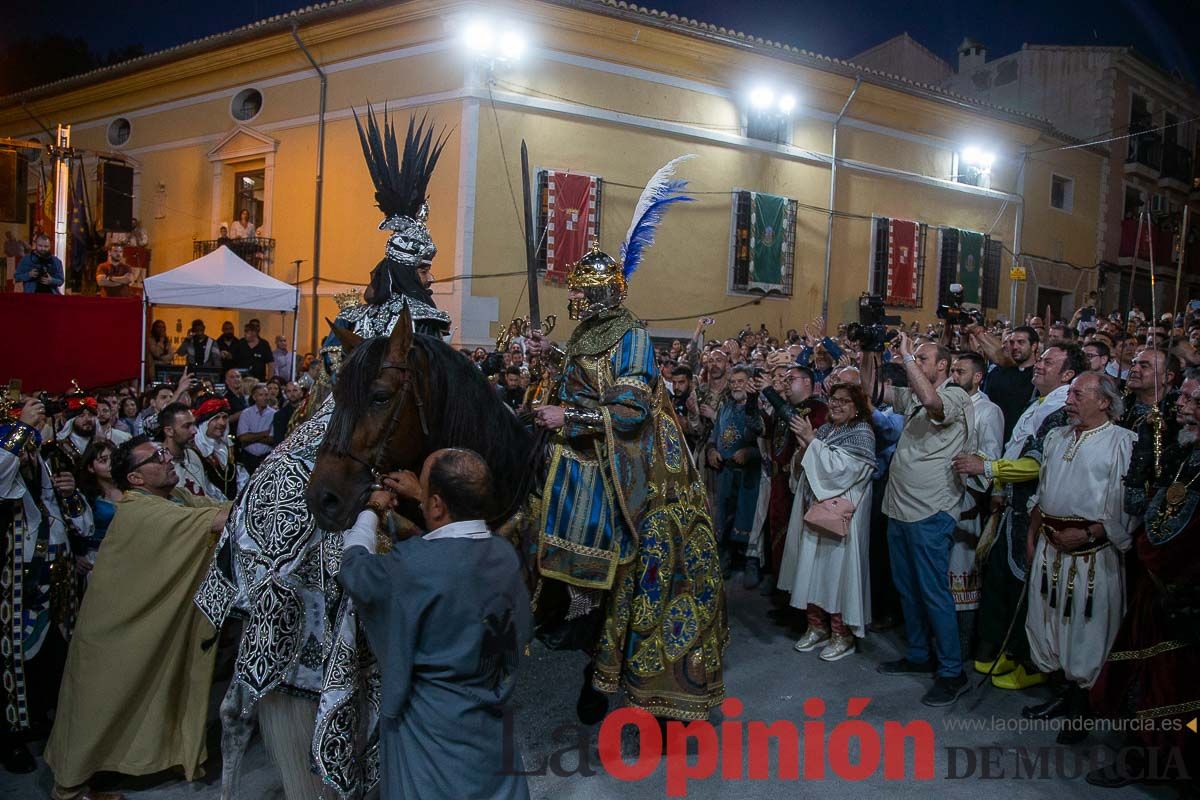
903,240
570,221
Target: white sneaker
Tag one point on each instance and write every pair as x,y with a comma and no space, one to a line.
838,648
812,638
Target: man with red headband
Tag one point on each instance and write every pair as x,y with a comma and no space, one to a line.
80,428
216,445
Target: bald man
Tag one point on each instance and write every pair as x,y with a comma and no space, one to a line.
447,615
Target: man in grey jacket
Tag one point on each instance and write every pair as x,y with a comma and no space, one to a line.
447,615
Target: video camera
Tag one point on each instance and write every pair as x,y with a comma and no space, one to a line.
871,331
953,312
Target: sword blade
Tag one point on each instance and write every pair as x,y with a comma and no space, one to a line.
535,311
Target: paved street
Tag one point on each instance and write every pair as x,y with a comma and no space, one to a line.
773,682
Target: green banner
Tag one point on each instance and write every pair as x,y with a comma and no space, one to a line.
766,244
970,264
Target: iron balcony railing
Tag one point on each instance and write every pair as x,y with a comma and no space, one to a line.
257,251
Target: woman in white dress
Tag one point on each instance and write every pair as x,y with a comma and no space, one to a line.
831,576
243,228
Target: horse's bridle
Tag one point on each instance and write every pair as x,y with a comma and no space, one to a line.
397,406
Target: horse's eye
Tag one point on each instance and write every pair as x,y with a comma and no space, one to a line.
380,398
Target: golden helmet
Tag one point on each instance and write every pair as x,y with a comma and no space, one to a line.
601,279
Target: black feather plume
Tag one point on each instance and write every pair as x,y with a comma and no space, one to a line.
401,180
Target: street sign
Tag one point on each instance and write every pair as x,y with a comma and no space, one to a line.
1016,274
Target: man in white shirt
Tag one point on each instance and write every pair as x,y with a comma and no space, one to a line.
254,434
1078,532
968,372
1003,572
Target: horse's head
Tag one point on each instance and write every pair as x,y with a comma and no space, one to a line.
379,422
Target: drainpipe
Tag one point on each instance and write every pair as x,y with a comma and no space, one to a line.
832,197
316,258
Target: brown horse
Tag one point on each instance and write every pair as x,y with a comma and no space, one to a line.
398,399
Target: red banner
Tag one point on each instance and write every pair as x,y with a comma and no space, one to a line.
903,239
570,221
53,338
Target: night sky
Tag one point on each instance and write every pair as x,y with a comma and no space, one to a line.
1167,31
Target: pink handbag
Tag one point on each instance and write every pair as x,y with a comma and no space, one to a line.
830,516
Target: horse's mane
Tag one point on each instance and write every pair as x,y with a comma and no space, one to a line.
463,409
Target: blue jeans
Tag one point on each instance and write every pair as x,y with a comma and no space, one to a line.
920,554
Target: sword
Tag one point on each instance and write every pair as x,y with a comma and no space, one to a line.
535,310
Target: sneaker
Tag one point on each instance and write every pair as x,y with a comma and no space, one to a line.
812,639
838,648
903,666
752,577
945,691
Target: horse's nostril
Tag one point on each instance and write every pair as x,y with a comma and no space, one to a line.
329,501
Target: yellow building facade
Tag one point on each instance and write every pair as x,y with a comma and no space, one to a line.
602,89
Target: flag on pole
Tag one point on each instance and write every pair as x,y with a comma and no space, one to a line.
43,218
570,221
768,215
79,226
970,264
903,239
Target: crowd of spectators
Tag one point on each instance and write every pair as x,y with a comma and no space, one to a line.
855,485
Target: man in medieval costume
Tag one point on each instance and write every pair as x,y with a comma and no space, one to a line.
135,692
318,708
1078,532
1151,670
39,512
625,540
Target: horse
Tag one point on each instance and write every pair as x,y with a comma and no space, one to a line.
398,399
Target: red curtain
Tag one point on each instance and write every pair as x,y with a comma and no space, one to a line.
902,262
51,339
570,221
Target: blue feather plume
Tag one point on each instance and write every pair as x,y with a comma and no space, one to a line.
661,192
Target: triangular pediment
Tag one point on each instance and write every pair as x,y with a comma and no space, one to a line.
243,142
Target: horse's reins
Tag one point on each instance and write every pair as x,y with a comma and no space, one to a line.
406,387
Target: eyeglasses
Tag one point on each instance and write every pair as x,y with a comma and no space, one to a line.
839,401
162,455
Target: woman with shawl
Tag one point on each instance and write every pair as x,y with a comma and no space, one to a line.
828,574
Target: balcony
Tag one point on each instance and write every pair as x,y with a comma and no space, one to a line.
1176,167
258,252
1159,236
1145,156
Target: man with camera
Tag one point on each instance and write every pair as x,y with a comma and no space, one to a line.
781,442
40,272
922,502
199,349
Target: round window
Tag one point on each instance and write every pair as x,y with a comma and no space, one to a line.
118,131
246,104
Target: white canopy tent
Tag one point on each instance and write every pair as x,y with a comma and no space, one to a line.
220,280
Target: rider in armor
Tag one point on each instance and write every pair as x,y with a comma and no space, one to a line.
277,569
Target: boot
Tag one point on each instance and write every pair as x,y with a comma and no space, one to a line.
1017,678
1057,706
592,704
1080,710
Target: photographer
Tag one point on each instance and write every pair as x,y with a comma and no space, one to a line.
922,502
199,349
40,272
